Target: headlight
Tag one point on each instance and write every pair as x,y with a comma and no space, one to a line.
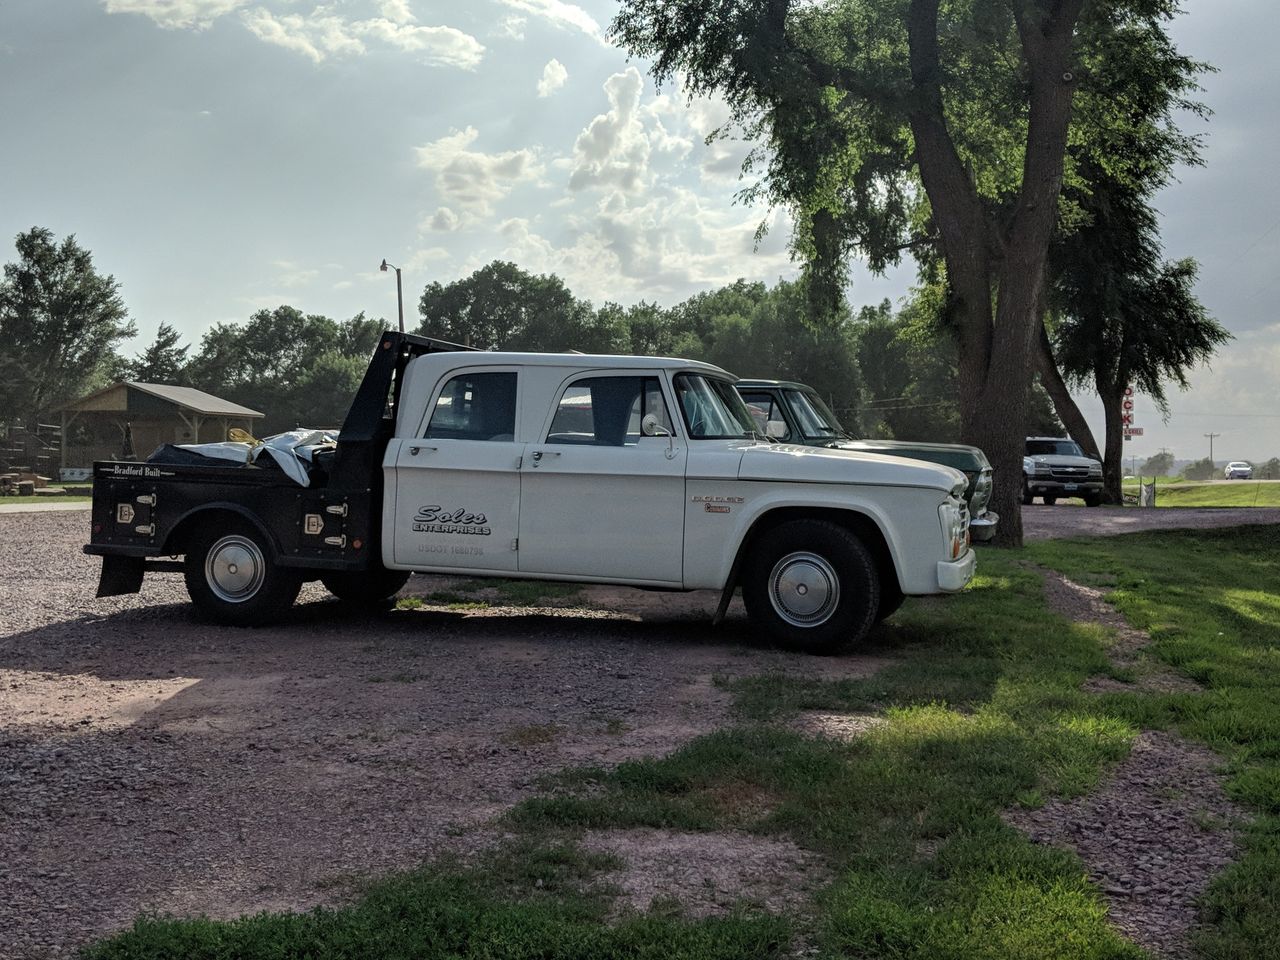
955,527
1043,470
981,494
1095,469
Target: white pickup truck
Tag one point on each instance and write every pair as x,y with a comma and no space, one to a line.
641,471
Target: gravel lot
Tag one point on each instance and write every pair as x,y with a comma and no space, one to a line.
151,762
1071,519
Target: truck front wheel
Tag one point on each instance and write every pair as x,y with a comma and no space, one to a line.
232,578
368,588
811,585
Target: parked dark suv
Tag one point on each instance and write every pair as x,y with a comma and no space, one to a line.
1055,467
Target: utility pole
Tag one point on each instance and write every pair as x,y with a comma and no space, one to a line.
1211,436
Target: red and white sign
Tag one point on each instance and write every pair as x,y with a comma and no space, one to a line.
1132,432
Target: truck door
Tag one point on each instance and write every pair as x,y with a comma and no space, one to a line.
598,498
457,501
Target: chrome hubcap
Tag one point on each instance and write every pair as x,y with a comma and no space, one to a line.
234,568
804,589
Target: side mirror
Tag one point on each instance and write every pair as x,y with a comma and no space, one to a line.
651,426
776,429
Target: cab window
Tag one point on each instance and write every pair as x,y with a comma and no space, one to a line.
475,406
763,407
607,411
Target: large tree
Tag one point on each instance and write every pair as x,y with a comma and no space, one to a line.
294,367
164,361
913,124
1128,317
503,306
60,324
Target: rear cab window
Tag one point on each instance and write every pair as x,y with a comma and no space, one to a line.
475,406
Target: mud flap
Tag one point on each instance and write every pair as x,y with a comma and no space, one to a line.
121,575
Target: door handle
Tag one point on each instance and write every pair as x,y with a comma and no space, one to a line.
413,451
539,454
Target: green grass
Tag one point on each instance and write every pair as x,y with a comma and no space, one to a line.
1224,493
539,901
1211,601
57,498
983,711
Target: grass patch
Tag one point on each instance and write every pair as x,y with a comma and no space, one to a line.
1223,493
55,498
529,901
521,593
1210,600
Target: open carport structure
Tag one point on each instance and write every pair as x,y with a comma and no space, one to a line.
149,414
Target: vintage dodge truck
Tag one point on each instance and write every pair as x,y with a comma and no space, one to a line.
629,470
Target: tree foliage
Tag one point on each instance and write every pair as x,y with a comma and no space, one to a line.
298,369
942,128
164,361
60,322
1158,465
501,305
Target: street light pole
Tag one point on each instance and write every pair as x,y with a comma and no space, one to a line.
399,295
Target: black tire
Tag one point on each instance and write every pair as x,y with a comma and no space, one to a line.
891,600
1049,501
366,588
811,585
233,578
1093,500
1026,494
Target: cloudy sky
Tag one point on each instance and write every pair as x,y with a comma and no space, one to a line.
219,156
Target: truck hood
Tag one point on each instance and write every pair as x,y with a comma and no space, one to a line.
790,462
958,455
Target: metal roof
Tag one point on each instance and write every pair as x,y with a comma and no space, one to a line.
188,398
193,399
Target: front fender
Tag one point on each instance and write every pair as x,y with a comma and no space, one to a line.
720,515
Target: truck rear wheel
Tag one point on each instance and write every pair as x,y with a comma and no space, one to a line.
811,585
233,579
368,588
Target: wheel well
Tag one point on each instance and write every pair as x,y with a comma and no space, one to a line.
181,536
856,523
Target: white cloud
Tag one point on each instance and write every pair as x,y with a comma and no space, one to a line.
176,14
472,181
443,46
320,34
443,220
667,246
554,76
294,275
315,36
614,148
567,16
512,27
397,11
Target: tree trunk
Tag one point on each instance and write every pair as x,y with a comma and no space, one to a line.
995,356
1063,402
1111,392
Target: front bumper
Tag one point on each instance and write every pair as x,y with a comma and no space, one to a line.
953,575
1039,486
983,528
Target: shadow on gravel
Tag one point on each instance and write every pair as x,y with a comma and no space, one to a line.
148,642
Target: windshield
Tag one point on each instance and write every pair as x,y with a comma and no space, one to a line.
712,408
813,417
1053,448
